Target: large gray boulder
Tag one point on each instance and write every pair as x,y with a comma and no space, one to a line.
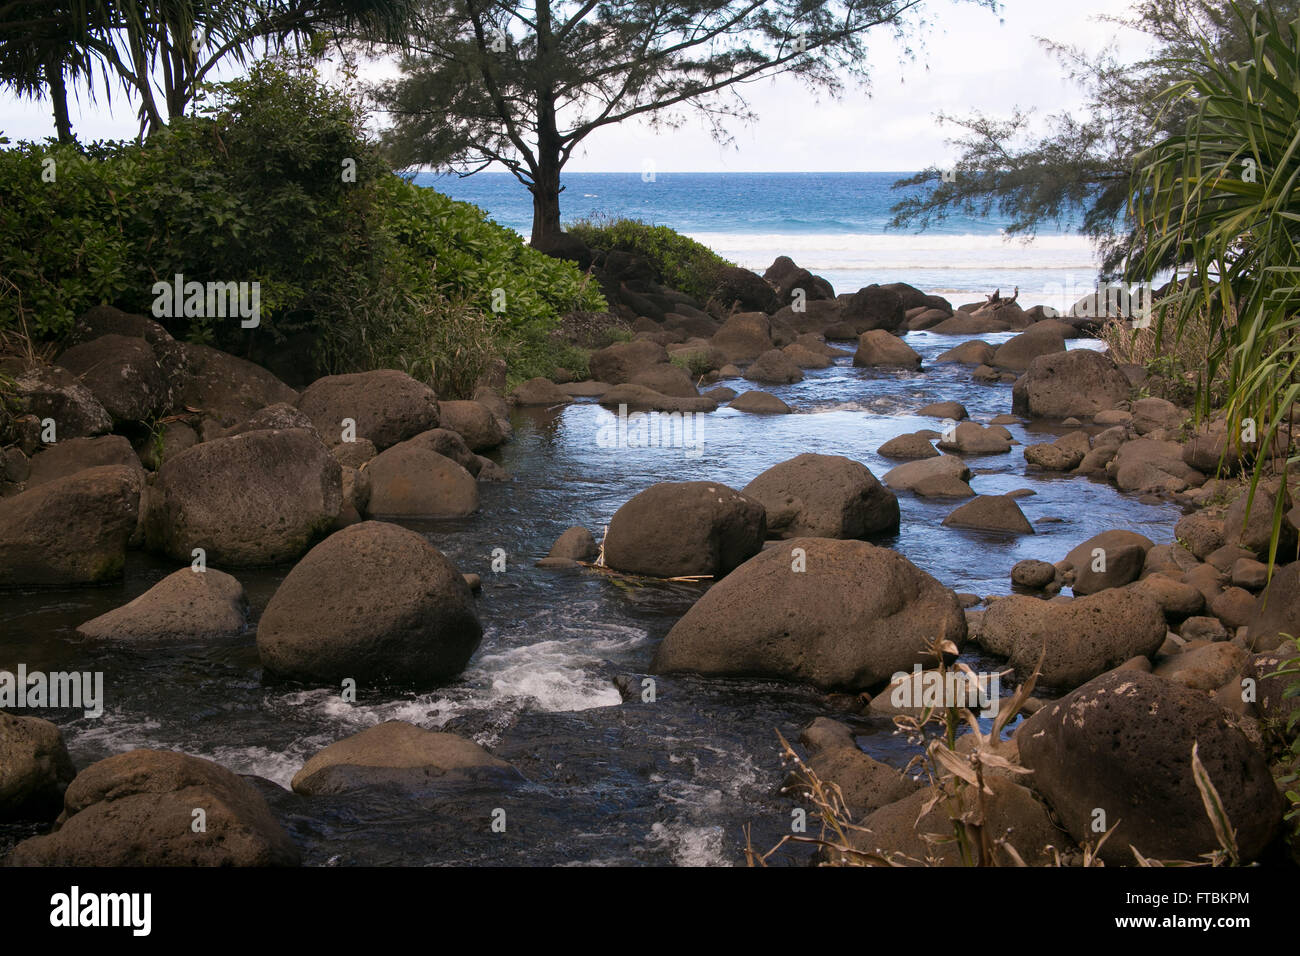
124,374
842,615
824,496
674,529
374,602
252,499
1122,744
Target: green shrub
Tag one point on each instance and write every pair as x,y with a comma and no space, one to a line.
273,181
685,264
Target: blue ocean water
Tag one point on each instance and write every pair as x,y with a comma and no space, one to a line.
835,224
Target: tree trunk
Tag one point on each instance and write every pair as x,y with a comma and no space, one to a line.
59,99
546,179
546,197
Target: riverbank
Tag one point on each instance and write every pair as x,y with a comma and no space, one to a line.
556,686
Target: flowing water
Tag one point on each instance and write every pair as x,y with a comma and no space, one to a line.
609,781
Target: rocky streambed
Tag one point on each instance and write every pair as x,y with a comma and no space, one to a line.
591,743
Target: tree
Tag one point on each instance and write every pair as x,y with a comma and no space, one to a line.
1219,197
1076,172
167,47
521,85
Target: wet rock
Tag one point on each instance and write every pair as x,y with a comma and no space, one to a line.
774,367
759,403
187,605
1178,599
474,422
685,528
69,531
949,411
374,602
968,438
576,544
387,406
36,768
449,444
878,348
1017,352
397,754
137,809
942,477
743,337
823,496
974,352
1064,454
256,498
542,391
1150,465
850,618
908,447
667,380
990,513
1123,743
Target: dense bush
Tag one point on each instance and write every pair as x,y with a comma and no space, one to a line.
272,180
684,264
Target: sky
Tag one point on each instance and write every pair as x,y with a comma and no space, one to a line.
969,59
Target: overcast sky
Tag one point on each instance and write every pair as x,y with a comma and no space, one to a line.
971,59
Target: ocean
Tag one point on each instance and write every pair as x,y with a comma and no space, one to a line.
834,224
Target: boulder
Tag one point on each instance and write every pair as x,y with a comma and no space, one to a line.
942,477
541,391
1276,613
576,544
1017,352
137,809
759,403
1083,638
474,423
1207,666
1035,575
279,415
685,528
804,358
397,754
1079,384
70,531
447,443
873,307
841,615
1108,560
124,375
35,768
410,480
974,352
51,392
740,288
966,324
1178,599
187,605
667,379
256,498
823,496
1156,414
1123,744
387,406
174,438
71,455
774,367
227,389
1199,533
949,411
1272,702
908,447
877,348
1150,465
743,337
990,513
1064,454
1249,523
969,438
865,784
640,398
374,602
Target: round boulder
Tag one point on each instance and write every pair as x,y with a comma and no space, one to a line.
824,496
374,602
387,406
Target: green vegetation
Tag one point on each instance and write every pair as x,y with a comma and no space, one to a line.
273,181
684,264
1220,198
